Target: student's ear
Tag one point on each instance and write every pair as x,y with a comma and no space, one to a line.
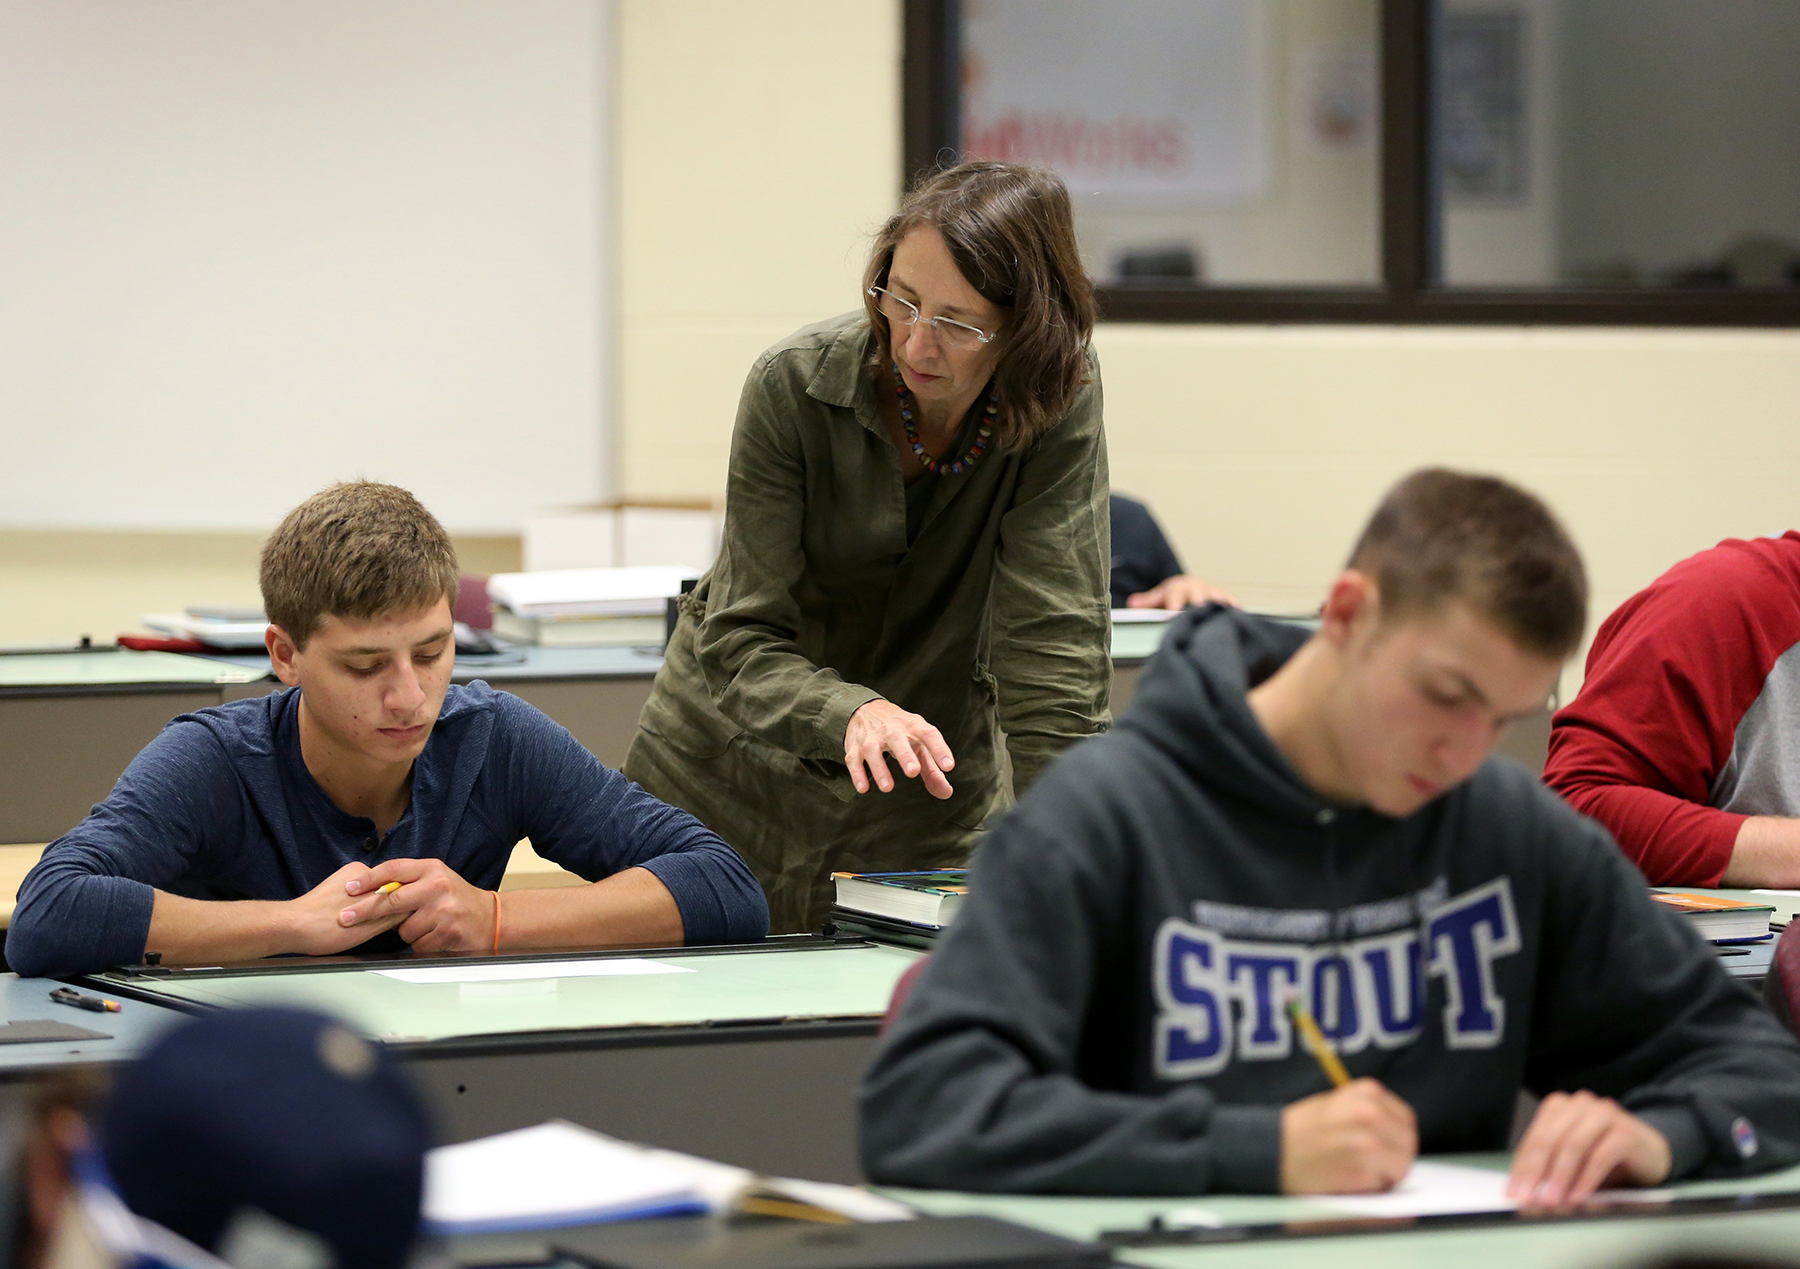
281,654
1353,600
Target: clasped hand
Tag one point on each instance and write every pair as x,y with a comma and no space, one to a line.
880,728
434,909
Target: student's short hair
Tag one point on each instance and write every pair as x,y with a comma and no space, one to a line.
356,550
1444,535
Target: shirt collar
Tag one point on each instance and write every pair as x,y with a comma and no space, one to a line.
841,379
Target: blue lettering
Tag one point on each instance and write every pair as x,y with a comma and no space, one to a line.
1192,1038
1263,1030
1371,990
1466,936
1398,979
1334,1003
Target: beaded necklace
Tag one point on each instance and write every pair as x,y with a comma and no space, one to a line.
912,432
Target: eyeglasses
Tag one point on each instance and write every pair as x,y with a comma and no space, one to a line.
954,334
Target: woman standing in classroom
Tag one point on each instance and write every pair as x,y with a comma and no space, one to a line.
911,594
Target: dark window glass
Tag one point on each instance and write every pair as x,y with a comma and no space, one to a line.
1506,161
1618,143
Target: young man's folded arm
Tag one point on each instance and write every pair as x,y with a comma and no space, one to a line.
88,903
659,874
1636,1007
977,1086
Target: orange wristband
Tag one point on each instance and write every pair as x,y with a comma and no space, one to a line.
496,920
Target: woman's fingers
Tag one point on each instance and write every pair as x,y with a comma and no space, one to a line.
934,744
899,742
876,757
868,768
934,781
879,729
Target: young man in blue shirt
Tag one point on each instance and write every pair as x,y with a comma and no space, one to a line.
301,808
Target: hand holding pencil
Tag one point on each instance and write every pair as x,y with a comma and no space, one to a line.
1356,1139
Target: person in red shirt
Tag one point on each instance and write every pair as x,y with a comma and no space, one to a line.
1684,740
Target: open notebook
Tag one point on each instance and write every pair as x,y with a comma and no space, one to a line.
559,1174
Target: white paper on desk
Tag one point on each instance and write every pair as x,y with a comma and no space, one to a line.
540,1178
1449,1189
1780,892
513,972
1431,1189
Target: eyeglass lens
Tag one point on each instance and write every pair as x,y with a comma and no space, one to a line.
953,333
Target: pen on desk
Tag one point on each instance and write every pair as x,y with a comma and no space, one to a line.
69,996
1315,1040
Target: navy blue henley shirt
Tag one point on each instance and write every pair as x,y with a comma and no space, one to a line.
221,806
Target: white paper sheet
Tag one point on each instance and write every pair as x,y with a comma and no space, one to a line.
1440,1189
1431,1189
515,971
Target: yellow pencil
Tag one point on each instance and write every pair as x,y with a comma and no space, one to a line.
389,888
1316,1041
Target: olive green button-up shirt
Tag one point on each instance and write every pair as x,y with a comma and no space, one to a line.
994,620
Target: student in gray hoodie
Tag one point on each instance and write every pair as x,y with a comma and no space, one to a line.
1284,814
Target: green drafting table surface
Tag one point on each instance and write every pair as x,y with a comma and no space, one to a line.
118,667
750,1054
1515,1244
492,998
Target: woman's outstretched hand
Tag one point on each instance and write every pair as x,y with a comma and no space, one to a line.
881,728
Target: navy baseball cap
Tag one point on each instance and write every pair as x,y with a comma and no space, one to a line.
248,1121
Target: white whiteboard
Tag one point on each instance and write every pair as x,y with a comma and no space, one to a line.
249,247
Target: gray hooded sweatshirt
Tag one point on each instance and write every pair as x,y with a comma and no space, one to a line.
1106,1015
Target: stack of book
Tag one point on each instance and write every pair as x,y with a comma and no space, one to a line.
223,626
585,607
899,907
1718,919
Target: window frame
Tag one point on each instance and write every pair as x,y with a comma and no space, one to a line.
1405,296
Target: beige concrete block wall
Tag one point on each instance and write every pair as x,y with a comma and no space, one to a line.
1263,449
759,149
57,585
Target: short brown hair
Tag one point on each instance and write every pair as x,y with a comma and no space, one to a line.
358,550
1011,231
1442,535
